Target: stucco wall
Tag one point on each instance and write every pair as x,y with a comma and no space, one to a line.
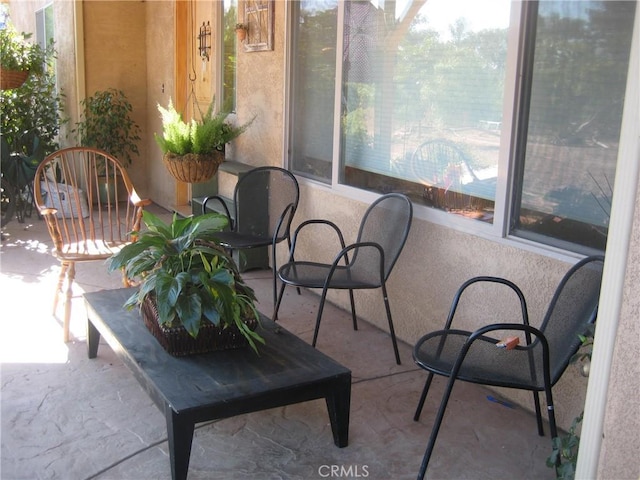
115,57
160,87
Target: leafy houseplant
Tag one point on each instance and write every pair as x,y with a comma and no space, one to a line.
17,54
35,109
241,31
107,124
194,150
189,277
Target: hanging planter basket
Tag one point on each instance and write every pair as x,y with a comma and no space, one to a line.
192,167
241,33
10,79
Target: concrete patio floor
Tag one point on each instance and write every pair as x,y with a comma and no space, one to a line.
64,416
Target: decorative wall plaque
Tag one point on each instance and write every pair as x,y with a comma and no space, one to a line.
258,17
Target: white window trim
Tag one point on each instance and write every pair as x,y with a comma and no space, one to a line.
611,296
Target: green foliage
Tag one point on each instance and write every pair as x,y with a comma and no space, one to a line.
107,125
206,136
17,53
34,110
192,278
564,453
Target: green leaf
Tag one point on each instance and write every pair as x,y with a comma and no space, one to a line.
189,309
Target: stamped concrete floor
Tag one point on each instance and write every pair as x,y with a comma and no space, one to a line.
67,417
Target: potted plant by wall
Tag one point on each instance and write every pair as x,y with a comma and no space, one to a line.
107,124
191,294
18,57
193,151
241,31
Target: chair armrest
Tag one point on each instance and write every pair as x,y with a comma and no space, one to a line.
137,201
310,223
360,245
50,217
224,206
487,279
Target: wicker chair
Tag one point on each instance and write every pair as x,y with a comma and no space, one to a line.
535,366
365,264
84,224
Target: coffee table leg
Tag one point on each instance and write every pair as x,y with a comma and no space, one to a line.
180,433
93,338
339,405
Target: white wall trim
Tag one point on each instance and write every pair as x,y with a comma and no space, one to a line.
620,226
78,22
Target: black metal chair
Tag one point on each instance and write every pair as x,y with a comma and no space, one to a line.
536,365
365,264
272,194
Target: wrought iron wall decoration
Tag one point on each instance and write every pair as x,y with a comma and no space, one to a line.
258,18
204,41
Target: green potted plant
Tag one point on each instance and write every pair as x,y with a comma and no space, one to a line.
191,294
35,109
18,57
194,150
106,124
241,31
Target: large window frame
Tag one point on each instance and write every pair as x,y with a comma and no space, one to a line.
507,183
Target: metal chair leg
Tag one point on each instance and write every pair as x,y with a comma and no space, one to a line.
276,307
319,317
354,317
436,428
423,397
536,404
392,331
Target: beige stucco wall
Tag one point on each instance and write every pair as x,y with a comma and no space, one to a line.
115,57
130,45
160,87
621,433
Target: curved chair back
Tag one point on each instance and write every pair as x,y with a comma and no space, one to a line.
87,219
386,223
573,307
272,194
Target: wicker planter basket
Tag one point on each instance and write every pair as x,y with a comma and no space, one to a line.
177,341
10,79
193,168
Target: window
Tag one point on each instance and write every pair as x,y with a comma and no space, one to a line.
229,54
571,121
431,103
45,35
314,29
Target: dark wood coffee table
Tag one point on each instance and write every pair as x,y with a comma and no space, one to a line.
222,384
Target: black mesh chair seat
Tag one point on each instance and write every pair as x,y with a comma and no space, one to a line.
315,275
485,363
365,264
536,364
